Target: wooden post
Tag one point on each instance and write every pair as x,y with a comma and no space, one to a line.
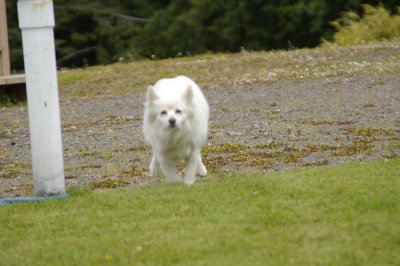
4,49
36,20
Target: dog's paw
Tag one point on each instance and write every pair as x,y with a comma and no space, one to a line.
154,169
201,170
189,181
174,179
154,172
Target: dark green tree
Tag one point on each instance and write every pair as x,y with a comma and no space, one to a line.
101,32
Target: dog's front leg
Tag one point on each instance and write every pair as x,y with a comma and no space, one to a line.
154,167
201,169
169,169
191,164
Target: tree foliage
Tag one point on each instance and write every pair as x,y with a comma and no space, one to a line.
101,32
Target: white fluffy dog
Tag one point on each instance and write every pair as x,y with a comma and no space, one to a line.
176,125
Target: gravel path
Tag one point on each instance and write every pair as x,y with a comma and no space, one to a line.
253,128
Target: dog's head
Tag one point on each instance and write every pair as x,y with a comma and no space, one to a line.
169,113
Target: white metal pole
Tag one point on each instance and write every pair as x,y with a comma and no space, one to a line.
36,20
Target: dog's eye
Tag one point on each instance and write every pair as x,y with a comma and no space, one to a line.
178,111
163,112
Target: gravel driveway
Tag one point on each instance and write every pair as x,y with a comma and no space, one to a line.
253,128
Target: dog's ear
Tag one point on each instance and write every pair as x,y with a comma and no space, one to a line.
188,96
151,94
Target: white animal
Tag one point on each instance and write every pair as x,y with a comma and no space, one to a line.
175,123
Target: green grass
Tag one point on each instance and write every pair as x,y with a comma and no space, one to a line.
342,215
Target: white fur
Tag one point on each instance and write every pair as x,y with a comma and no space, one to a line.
175,123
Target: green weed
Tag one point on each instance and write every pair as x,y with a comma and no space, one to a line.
106,182
15,169
372,132
326,122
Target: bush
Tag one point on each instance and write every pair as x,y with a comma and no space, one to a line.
375,25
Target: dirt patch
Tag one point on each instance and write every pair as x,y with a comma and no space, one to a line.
254,127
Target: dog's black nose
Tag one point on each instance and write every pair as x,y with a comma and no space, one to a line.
172,121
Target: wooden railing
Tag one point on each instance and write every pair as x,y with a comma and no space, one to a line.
5,70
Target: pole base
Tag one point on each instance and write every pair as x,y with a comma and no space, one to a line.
6,201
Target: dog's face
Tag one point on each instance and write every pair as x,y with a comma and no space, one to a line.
169,113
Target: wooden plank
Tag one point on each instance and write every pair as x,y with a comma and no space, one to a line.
5,71
4,49
12,79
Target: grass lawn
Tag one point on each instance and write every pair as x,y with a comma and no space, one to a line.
341,215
